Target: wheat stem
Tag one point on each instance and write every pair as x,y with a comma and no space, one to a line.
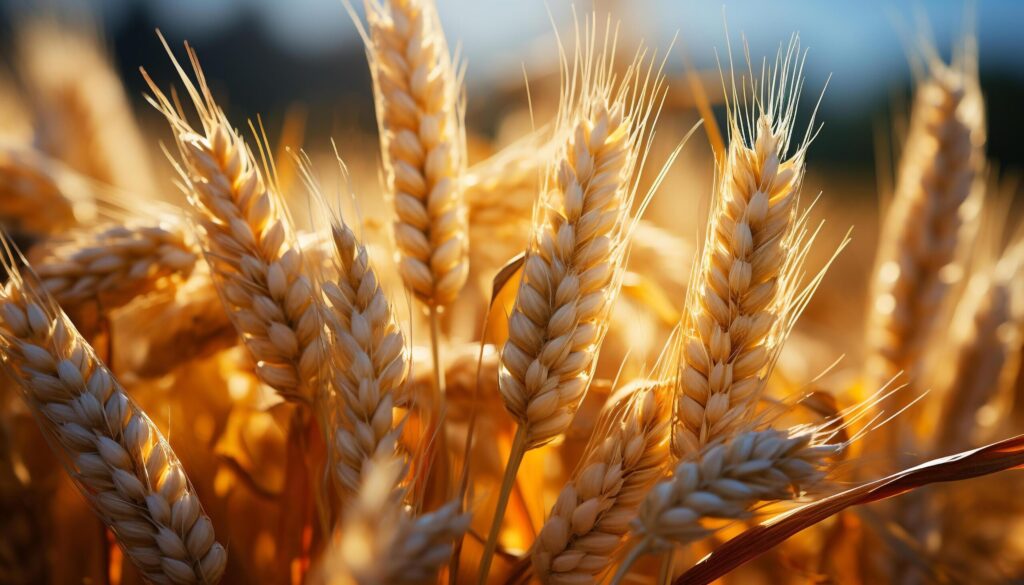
667,563
515,459
634,554
435,354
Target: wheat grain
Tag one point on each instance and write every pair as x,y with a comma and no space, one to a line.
113,264
83,115
416,89
248,241
742,302
923,235
625,458
727,479
367,361
116,455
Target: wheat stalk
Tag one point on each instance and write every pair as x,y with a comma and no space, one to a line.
743,299
416,89
248,241
367,361
83,115
115,454
113,264
625,457
923,235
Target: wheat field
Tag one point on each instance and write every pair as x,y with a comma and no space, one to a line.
628,338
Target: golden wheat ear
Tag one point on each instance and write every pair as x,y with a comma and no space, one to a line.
83,114
627,454
928,230
246,234
418,96
115,264
41,196
574,264
366,355
990,323
113,452
748,288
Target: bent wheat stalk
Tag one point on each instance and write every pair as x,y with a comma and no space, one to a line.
117,457
248,242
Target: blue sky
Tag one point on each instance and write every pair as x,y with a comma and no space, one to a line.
858,42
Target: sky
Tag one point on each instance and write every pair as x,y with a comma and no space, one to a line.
861,44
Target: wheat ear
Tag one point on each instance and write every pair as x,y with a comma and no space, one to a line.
987,354
625,457
84,116
923,236
574,264
39,195
743,300
725,481
381,542
121,463
416,89
501,194
193,323
248,241
367,361
113,264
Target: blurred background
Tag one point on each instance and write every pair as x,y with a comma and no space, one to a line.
265,56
